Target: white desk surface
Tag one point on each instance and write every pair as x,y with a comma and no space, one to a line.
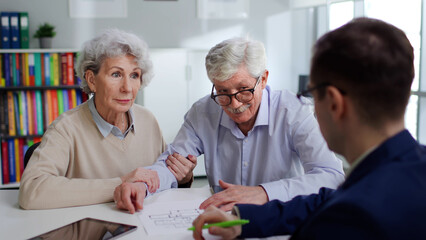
17,223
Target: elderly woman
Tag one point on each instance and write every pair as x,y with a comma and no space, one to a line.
90,150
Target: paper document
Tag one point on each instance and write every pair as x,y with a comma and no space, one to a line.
173,217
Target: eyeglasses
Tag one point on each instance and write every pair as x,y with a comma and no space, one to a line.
307,92
243,96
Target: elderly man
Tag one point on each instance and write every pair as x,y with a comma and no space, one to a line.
258,144
361,78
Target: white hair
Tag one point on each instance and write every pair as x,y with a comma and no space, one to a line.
113,43
224,59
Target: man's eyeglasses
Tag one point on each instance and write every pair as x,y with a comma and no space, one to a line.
243,96
308,91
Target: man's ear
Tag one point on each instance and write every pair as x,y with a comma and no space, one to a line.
264,78
337,103
90,79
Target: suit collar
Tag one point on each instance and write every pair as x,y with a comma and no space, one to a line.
383,154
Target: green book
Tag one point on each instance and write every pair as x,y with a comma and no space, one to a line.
37,69
60,102
24,30
14,80
39,112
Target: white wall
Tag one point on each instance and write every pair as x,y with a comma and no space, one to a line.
174,24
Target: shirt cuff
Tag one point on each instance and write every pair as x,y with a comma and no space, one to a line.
236,211
276,190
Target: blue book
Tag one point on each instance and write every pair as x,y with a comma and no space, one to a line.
46,69
7,76
78,96
11,148
14,30
66,100
5,30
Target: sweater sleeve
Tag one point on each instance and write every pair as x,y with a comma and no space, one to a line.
44,183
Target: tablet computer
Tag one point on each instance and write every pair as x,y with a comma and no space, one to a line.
88,228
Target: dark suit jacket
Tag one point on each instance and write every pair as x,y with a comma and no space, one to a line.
383,198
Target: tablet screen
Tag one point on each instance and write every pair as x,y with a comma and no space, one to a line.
88,228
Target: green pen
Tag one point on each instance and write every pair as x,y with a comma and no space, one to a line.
224,224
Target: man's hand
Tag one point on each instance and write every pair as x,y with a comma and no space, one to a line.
130,196
181,167
233,194
213,215
147,176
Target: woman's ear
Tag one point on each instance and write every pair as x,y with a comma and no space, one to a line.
90,79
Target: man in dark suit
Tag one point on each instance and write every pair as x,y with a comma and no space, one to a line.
360,79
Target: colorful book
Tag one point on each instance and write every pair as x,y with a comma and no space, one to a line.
66,100
14,30
5,30
48,107
6,73
2,81
18,69
21,153
11,150
25,69
70,68
54,69
23,119
64,73
40,127
60,101
17,160
4,128
43,79
55,109
79,99
13,69
11,113
37,69
17,117
31,69
5,161
70,99
30,112
46,64
24,30
74,98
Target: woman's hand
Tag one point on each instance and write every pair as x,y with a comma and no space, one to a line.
213,215
181,167
150,177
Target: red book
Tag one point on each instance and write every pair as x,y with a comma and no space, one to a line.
54,99
5,161
70,68
64,70
47,108
84,97
35,112
21,156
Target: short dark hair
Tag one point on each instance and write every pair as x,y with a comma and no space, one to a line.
372,61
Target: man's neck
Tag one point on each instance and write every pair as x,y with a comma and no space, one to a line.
364,138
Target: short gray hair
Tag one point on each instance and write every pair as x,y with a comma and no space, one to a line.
113,43
224,59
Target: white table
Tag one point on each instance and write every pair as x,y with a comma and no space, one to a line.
17,223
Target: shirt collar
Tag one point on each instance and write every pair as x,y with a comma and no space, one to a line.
262,117
106,128
359,160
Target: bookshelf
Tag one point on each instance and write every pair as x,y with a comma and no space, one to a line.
36,86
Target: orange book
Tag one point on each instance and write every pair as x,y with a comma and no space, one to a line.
26,70
11,113
74,98
48,108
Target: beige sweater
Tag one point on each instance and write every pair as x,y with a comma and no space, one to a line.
75,165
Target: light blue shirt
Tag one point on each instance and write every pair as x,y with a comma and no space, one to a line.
284,152
106,128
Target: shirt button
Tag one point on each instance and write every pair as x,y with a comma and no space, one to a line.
245,141
245,164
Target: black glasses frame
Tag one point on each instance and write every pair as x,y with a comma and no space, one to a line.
212,96
321,85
